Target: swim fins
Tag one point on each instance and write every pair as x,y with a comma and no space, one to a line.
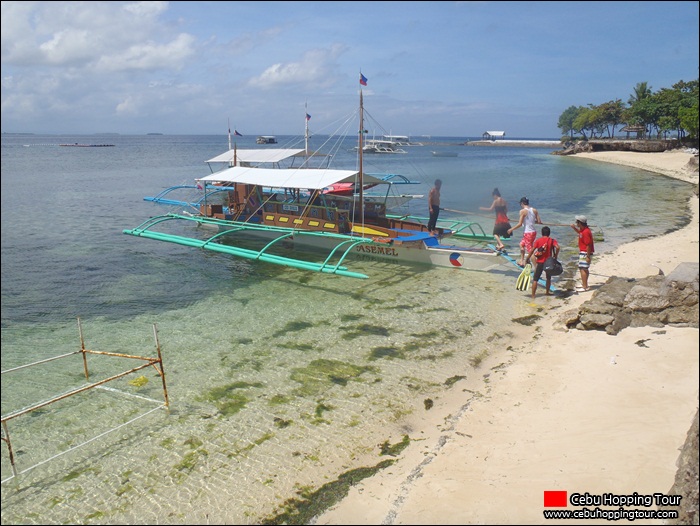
523,282
528,277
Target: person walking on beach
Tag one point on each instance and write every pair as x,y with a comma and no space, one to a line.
543,248
529,217
500,229
434,205
585,250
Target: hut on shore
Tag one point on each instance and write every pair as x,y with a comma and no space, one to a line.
639,129
493,135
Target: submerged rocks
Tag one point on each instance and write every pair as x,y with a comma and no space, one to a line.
652,301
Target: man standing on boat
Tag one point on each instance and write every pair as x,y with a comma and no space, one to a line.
434,206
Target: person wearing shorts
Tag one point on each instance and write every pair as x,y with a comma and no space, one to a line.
500,229
542,249
434,206
585,250
529,217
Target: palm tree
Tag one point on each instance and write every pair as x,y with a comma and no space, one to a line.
641,92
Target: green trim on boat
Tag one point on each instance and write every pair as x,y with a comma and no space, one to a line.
143,230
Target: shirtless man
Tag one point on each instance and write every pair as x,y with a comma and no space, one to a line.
434,206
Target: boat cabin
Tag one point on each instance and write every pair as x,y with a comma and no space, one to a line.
266,139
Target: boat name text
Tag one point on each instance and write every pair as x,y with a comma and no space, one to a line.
374,249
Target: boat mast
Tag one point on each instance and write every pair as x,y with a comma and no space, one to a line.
306,131
229,134
362,125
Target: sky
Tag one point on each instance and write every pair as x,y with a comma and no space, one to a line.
453,69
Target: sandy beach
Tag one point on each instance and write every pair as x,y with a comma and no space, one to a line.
566,410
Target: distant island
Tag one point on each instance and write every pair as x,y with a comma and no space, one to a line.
154,133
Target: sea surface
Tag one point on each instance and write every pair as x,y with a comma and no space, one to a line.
279,380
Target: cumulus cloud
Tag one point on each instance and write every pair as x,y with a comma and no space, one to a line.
87,34
316,68
76,58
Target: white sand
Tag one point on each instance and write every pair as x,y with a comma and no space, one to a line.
575,411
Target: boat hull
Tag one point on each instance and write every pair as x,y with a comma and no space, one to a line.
423,250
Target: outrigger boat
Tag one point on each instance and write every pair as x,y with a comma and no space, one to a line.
291,205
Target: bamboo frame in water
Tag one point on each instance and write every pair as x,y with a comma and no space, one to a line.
157,364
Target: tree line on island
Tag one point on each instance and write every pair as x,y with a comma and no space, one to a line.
649,114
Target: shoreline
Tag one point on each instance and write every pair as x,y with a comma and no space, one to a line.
524,143
571,410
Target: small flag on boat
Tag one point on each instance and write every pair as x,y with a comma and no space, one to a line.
235,132
308,117
363,79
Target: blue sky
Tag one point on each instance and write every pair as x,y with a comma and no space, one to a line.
433,68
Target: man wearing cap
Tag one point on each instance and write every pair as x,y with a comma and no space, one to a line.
585,250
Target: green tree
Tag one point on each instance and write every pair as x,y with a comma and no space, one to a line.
689,120
610,115
641,92
566,120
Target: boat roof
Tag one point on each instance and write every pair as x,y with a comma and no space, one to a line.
298,178
257,155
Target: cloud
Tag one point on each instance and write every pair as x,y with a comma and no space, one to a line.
317,68
111,36
150,56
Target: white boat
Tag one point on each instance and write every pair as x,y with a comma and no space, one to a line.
290,206
400,140
266,139
381,146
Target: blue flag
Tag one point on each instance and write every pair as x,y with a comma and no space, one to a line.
363,79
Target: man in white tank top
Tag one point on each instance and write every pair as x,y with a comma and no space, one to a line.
529,217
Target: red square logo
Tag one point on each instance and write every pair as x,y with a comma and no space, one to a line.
555,499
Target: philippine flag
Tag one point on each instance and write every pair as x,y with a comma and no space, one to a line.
308,117
363,79
235,132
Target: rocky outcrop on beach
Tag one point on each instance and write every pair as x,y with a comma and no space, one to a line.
612,145
652,301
